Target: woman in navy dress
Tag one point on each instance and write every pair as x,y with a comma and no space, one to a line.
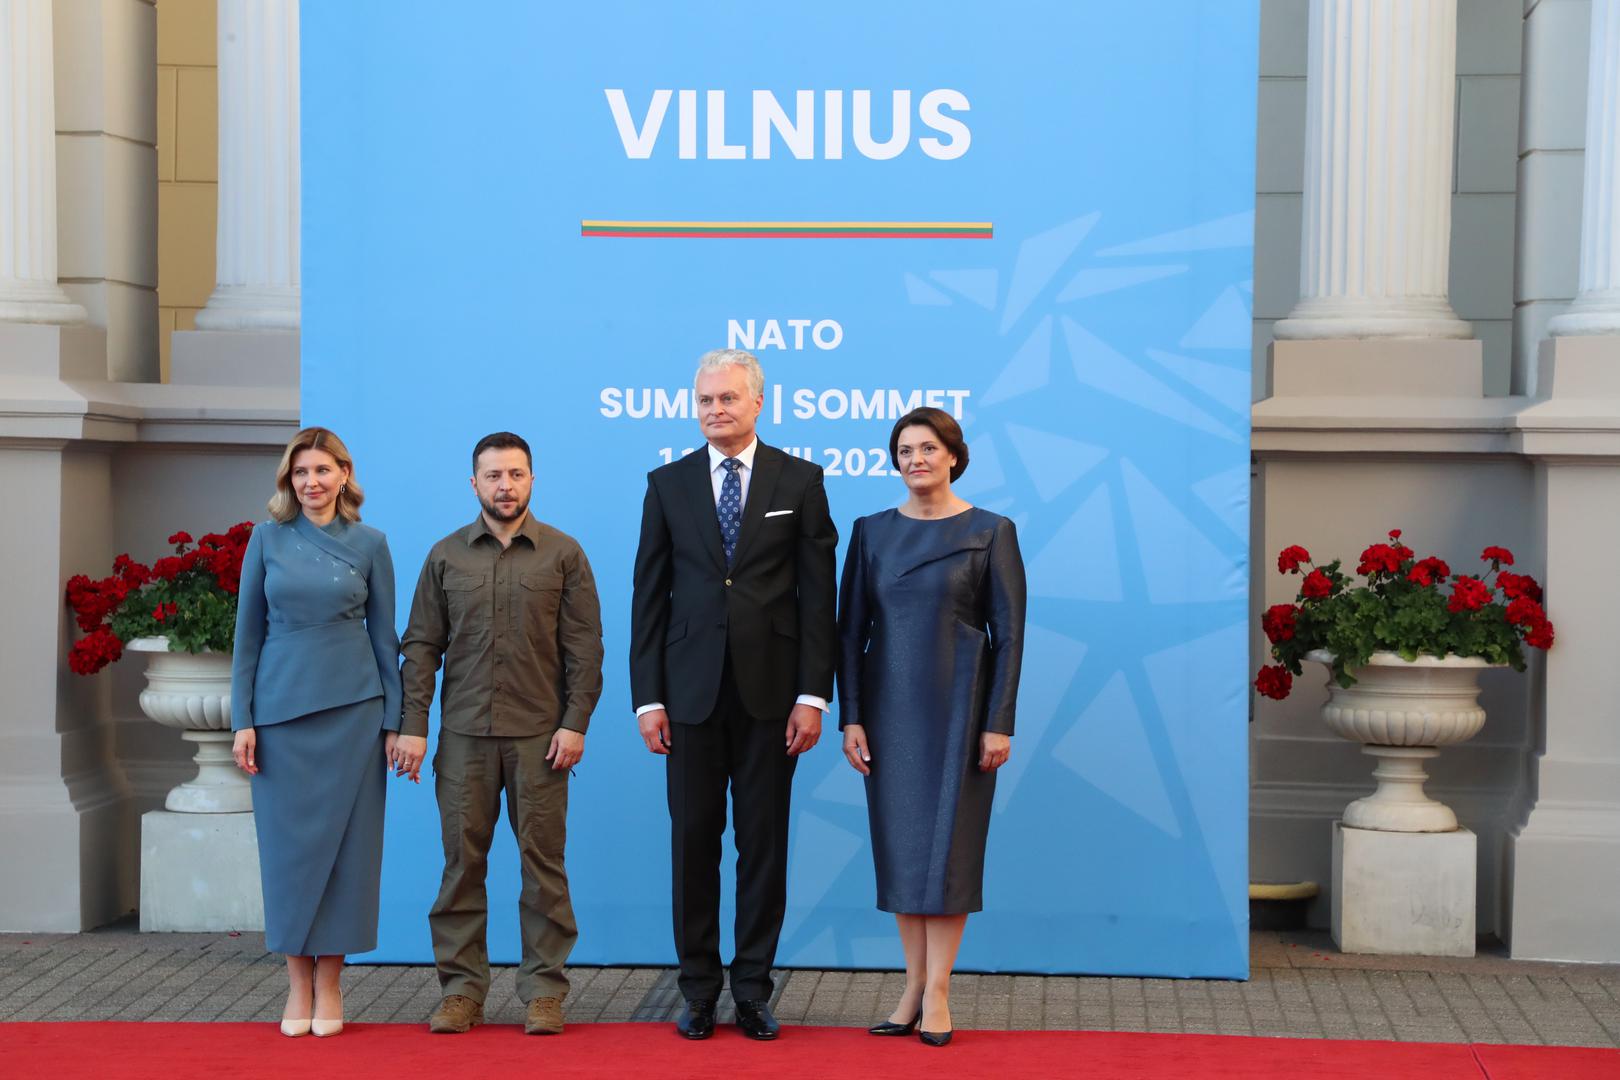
315,703
931,627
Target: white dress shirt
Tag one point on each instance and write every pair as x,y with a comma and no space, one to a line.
717,477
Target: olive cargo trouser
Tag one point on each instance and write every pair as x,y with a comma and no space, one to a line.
471,772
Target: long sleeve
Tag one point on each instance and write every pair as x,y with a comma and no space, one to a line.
579,638
854,628
426,635
1006,611
252,622
818,592
649,603
380,628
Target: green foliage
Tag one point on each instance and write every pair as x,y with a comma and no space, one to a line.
1399,606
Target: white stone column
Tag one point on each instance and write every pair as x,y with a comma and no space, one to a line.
1596,308
256,279
28,288
1380,98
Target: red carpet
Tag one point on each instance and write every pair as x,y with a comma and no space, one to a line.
104,1051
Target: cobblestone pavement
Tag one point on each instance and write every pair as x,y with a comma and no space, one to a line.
1300,987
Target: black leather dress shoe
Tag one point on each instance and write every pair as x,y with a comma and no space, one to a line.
889,1027
697,1019
935,1038
756,1021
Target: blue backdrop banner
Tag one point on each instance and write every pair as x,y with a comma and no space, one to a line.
1037,216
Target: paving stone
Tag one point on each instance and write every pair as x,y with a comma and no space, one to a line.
1299,988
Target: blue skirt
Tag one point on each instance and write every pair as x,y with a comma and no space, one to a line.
318,810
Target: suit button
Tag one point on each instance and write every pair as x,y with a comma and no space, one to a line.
728,582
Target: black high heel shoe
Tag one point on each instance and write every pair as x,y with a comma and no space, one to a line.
889,1027
935,1038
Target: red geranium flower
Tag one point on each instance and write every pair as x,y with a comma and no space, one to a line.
1501,556
1291,557
1278,622
1429,571
181,537
1517,585
1379,559
94,651
1468,594
1316,585
1540,635
1525,612
1274,681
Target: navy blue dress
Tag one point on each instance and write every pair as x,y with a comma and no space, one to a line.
315,673
931,628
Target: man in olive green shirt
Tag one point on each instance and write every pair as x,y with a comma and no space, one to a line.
509,605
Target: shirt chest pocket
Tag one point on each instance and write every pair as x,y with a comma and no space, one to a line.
467,597
541,596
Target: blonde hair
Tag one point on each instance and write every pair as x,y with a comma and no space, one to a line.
284,505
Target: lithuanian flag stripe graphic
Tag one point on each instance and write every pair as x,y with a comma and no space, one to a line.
794,230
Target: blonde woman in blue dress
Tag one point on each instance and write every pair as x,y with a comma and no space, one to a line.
315,704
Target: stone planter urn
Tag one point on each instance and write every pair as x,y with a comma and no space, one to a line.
1402,712
192,692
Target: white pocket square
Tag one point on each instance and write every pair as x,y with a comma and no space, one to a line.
777,513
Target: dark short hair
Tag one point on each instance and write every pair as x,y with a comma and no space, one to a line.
944,427
502,440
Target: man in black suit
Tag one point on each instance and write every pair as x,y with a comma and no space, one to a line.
732,636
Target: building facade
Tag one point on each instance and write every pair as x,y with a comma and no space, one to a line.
1437,348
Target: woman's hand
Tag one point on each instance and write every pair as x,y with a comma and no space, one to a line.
860,759
242,749
994,750
404,754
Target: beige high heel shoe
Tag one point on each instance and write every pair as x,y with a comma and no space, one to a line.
322,1029
294,1028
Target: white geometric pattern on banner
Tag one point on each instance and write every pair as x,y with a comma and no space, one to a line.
1227,493
1101,367
1029,369
1040,258
1053,462
1230,386
842,784
809,879
979,286
1096,282
823,944
920,292
1227,324
1108,749
1181,564
1209,761
1232,231
1081,561
1058,657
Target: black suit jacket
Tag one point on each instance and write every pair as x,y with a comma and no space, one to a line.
774,608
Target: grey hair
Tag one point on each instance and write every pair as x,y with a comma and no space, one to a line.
716,359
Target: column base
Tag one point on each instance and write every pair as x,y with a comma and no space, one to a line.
251,307
1564,869
200,872
234,358
1592,314
1375,317
1403,894
38,302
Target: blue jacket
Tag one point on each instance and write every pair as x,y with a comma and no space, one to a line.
314,623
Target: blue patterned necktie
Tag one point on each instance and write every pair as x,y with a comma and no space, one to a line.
730,506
